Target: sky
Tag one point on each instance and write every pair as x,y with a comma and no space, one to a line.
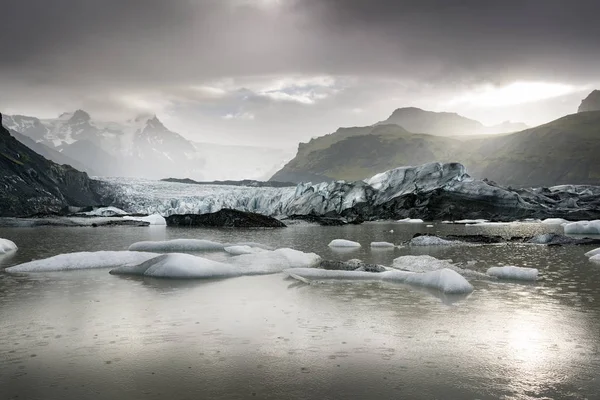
276,72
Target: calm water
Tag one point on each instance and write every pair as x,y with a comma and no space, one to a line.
91,335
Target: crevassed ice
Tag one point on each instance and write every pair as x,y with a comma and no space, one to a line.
583,228
512,272
343,243
83,260
7,246
444,280
177,245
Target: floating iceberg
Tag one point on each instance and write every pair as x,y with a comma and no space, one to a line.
426,263
583,228
343,243
554,221
177,245
444,280
83,260
471,221
595,258
105,212
7,246
516,273
154,219
382,244
411,220
592,253
185,266
425,240
238,250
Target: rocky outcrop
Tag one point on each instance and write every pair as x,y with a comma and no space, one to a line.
225,218
590,103
350,265
31,184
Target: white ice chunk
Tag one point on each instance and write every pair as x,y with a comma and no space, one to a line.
382,244
343,243
554,221
83,260
471,221
154,219
106,212
7,246
238,250
516,273
426,263
595,258
445,280
426,240
185,266
592,253
411,220
177,245
583,228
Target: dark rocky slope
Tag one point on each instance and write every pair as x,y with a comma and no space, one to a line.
30,184
226,218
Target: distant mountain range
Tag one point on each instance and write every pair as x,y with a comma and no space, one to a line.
141,147
562,151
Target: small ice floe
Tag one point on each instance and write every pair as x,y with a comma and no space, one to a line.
427,240
411,220
592,253
583,228
514,273
7,246
83,260
444,280
429,226
186,266
555,221
426,263
177,245
154,219
343,243
382,245
471,221
243,249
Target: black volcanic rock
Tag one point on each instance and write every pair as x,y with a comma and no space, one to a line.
590,103
30,184
226,218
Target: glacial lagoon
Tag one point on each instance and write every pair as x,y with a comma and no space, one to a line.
90,335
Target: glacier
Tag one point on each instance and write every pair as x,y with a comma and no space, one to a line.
429,192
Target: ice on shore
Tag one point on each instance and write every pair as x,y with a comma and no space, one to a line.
411,220
177,245
382,244
444,280
154,219
426,240
515,273
7,246
343,243
83,260
592,253
186,266
554,221
583,228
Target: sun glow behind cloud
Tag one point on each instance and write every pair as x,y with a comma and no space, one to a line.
519,92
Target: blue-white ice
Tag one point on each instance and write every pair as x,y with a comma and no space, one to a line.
7,246
185,266
387,245
343,243
583,228
444,280
513,273
177,246
83,260
592,253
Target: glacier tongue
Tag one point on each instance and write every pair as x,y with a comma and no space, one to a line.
431,191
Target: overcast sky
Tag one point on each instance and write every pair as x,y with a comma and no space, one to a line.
282,71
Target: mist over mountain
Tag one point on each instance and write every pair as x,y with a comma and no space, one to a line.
142,147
